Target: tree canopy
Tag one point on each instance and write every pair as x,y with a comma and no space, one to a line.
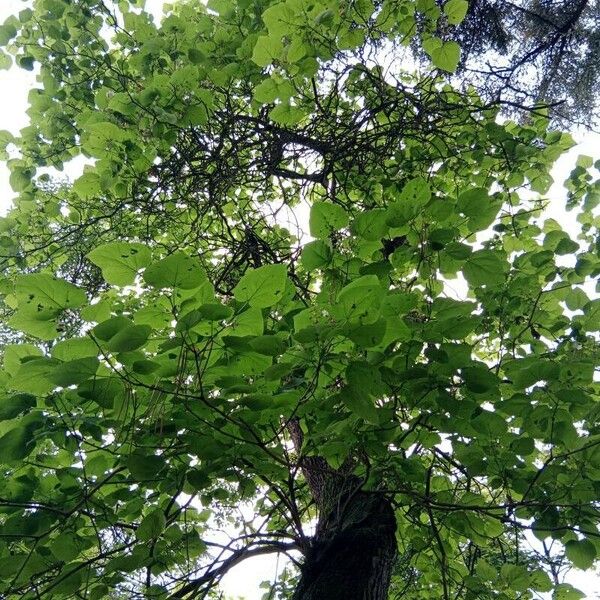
300,301
533,51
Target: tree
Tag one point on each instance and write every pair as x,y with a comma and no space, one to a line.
182,361
533,51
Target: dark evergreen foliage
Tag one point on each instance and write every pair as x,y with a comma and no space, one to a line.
534,51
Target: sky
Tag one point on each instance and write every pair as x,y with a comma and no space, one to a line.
243,581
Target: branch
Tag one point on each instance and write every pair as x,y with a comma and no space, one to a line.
237,557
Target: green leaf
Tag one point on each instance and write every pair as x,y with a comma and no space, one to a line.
248,364
74,371
267,49
524,446
88,185
364,378
7,32
576,299
456,11
371,334
224,8
64,548
516,576
13,406
457,250
98,592
109,328
413,197
485,267
360,404
481,208
360,300
102,390
277,371
15,353
479,380
591,319
534,371
143,467
198,479
416,192
326,218
287,114
17,443
157,315
248,322
582,553
151,526
540,581
20,178
262,287
99,311
145,367
104,133
444,55
565,591
440,238
297,50
196,115
75,348
175,271
127,563
490,424
40,324
266,91
398,303
269,345
214,311
554,237
188,321
120,261
486,571
197,57
316,254
371,224
129,338
35,376
5,64
39,292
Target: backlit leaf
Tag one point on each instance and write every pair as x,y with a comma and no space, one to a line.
262,287
178,270
326,218
119,261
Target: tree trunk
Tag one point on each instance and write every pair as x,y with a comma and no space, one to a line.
353,551
352,557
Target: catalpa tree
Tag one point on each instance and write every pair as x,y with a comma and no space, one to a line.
299,301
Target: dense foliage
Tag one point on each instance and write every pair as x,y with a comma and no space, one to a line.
180,356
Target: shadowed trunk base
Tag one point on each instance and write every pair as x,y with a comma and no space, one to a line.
353,552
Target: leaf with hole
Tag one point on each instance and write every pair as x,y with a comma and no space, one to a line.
120,262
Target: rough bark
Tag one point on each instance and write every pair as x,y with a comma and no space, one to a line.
353,551
354,561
